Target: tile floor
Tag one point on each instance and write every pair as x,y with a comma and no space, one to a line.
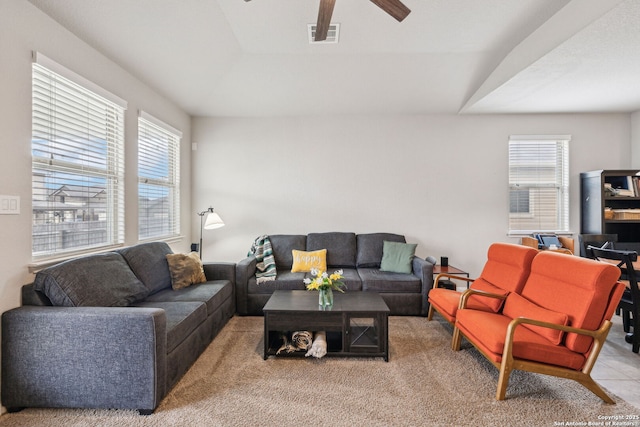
618,368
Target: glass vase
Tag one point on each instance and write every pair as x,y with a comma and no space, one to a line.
325,298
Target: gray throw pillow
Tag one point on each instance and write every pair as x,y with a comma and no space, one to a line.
149,263
397,257
102,280
370,247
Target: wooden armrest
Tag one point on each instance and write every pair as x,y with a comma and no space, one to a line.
520,320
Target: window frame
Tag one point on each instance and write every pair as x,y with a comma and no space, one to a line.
548,168
77,148
152,131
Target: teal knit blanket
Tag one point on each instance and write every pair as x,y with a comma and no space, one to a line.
266,263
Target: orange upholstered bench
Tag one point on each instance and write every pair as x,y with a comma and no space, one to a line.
556,325
505,271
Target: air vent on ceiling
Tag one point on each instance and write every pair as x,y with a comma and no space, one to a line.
332,34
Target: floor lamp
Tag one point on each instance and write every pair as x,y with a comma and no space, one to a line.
212,221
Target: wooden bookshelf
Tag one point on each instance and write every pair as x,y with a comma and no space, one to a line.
610,203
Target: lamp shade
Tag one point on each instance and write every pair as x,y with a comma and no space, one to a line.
213,221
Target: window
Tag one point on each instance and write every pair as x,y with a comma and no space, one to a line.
158,178
77,162
538,184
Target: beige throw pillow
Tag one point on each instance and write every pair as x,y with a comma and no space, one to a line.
186,270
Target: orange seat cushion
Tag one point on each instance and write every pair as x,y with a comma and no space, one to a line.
446,301
488,331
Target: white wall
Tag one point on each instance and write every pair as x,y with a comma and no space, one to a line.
441,180
23,29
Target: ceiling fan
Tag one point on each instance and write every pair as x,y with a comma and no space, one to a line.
394,8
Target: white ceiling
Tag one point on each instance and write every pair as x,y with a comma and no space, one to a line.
238,58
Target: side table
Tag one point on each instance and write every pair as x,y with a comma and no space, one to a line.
438,269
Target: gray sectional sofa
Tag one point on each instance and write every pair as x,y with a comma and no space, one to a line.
358,255
108,331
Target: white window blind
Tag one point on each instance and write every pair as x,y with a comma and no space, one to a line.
538,183
158,178
77,163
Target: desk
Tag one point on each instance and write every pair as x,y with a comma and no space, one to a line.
567,244
437,269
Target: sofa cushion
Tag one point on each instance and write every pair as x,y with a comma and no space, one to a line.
351,279
185,270
102,280
149,263
286,280
494,304
304,261
341,247
369,252
396,257
282,245
212,293
376,280
182,319
517,306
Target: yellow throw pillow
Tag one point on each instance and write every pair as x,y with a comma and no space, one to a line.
186,270
303,261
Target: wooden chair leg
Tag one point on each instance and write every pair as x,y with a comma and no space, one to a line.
592,386
456,339
503,380
430,313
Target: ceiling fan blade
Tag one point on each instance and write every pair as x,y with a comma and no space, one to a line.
324,19
394,8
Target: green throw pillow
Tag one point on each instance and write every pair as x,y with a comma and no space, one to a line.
396,257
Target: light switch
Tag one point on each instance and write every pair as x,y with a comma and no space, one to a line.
9,205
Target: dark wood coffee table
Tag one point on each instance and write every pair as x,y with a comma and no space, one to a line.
357,324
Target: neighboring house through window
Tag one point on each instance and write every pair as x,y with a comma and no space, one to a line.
158,178
77,162
538,184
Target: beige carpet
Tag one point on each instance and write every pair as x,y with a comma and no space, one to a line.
425,383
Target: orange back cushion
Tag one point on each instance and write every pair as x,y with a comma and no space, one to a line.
579,287
517,306
508,266
493,303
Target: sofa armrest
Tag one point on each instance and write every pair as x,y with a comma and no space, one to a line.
424,270
245,269
84,357
220,271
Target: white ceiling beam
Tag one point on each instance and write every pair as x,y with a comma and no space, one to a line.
568,21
